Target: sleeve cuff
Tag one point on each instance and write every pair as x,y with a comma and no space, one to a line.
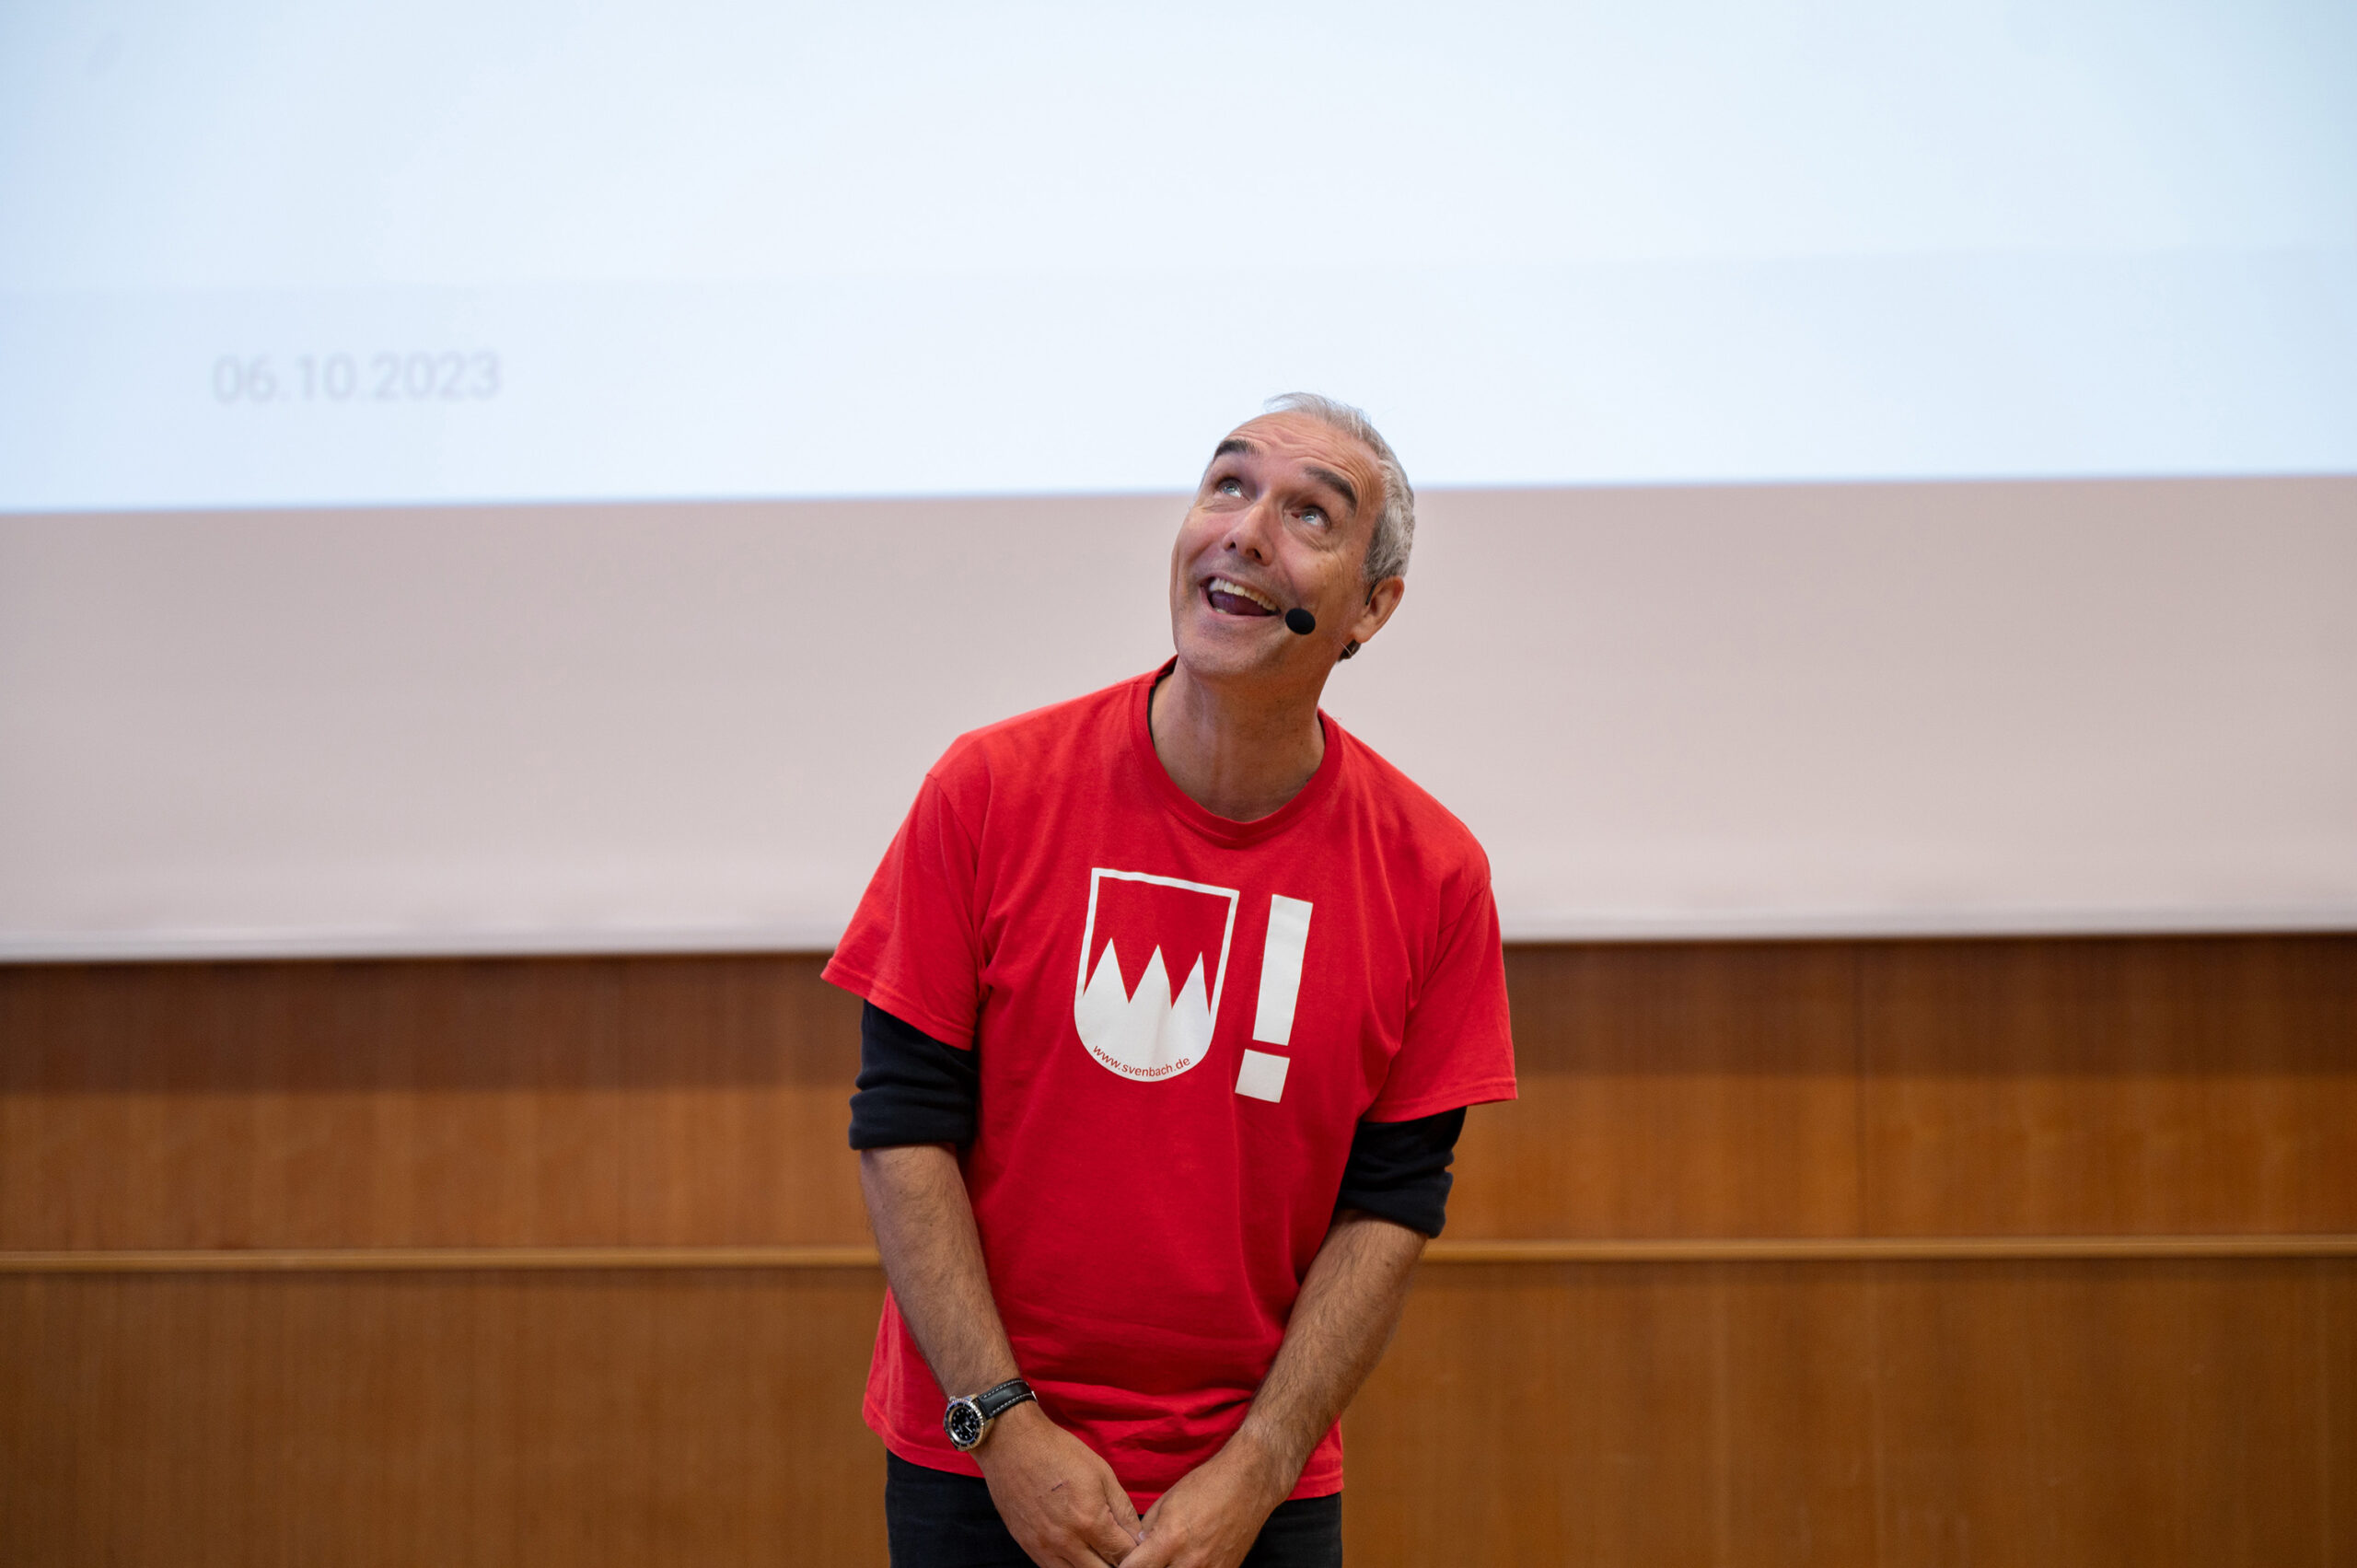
1399,1170
912,1088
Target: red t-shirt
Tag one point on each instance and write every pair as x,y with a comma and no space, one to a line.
1182,1019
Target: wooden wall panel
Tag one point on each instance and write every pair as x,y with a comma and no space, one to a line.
1672,1090
1914,1413
2075,1410
2161,1411
1893,1415
1666,1414
2336,1456
552,1102
505,1421
1792,1089
2170,1084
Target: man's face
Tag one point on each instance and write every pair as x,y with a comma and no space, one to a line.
1283,518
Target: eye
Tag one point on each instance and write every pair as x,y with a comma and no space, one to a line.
1228,487
1314,515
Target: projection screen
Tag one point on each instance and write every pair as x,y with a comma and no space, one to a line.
546,476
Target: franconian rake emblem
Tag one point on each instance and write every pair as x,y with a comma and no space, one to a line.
1142,929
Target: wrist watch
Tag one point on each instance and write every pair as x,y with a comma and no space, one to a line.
969,1420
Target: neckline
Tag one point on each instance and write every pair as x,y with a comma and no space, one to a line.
1210,824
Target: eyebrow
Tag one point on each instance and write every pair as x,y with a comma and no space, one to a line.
1237,445
1341,486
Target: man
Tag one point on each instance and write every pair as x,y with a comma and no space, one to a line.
1175,996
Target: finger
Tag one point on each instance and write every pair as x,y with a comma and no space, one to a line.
1078,1548
1124,1512
1109,1539
1149,1554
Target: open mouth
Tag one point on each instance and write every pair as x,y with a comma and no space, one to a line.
1234,599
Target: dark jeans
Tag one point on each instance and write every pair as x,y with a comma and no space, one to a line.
937,1519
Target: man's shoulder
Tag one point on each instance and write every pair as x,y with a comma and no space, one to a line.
1040,739
1410,814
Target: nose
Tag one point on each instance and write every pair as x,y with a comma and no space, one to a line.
1247,535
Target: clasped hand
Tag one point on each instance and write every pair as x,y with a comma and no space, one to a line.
1059,1500
1064,1507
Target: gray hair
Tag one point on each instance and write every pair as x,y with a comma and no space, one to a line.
1395,525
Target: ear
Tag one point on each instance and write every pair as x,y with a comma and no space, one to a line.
1381,600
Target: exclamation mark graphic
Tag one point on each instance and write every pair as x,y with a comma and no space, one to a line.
1262,1075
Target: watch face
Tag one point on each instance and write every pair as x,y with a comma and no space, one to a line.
964,1424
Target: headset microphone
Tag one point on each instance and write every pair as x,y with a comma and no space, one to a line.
1300,622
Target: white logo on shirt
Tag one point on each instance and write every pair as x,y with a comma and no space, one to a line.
1262,1076
1151,926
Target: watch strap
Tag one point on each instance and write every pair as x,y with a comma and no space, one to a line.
968,1420
995,1402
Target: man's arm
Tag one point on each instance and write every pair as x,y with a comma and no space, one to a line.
1061,1502
1341,1321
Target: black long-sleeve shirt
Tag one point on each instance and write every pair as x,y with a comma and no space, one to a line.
915,1089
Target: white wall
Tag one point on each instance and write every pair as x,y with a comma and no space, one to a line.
255,254
2076,706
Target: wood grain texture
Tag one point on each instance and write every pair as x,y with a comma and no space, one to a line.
2127,1412
1713,1090
1679,1416
2063,1416
2116,1085
2336,1446
490,1419
2087,1087
1672,1090
491,1103
1439,1254
1749,1408
1900,1413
